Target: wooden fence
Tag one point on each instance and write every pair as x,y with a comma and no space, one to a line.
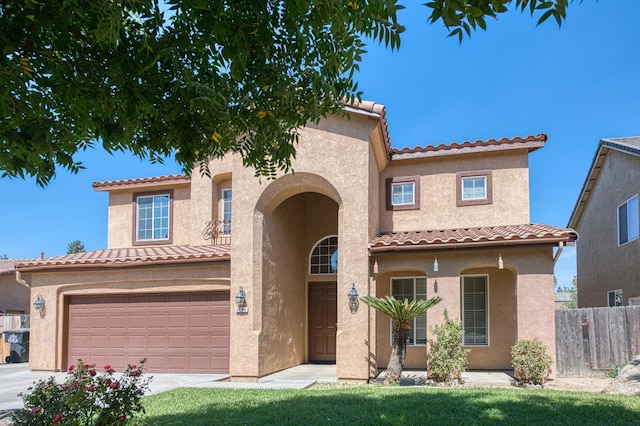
591,339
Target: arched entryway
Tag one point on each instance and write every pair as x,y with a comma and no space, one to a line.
299,228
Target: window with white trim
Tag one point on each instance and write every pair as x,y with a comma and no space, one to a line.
226,211
474,188
475,310
324,257
403,193
628,219
614,298
152,217
412,289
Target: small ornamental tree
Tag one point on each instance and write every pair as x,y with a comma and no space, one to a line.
446,359
85,398
402,314
530,361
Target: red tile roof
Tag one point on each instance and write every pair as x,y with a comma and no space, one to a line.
140,182
473,237
376,110
7,266
131,257
529,142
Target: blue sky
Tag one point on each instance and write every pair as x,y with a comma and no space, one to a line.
577,84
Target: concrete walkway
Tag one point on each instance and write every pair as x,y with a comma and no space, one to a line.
16,378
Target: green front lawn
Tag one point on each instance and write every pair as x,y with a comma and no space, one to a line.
373,405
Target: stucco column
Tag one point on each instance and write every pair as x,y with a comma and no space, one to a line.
535,312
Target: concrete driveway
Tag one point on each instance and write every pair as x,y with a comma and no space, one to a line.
16,378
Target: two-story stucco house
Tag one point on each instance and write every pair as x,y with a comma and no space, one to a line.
607,218
357,214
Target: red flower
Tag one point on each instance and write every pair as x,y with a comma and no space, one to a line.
92,372
107,367
135,373
71,368
58,417
122,418
108,382
91,387
35,410
115,385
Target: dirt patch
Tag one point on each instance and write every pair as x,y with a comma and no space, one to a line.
579,384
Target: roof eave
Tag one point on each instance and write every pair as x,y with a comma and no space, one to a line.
569,240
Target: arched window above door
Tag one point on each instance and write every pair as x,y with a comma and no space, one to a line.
324,256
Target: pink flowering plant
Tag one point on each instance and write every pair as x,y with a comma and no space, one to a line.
87,397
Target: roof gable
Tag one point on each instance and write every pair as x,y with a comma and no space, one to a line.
630,145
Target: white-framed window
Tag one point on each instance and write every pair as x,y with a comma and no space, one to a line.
324,256
414,288
634,301
475,310
403,193
474,188
226,211
614,298
628,218
152,217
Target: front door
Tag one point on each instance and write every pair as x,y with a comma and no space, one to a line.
322,322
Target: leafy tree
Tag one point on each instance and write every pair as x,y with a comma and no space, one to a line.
402,314
191,78
75,246
4,257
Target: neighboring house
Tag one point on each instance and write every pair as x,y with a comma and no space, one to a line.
450,221
606,218
562,299
14,298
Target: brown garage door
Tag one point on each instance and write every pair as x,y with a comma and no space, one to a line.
187,332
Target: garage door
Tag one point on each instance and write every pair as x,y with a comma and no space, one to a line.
186,332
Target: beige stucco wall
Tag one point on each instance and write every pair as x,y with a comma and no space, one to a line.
438,208
13,296
520,299
602,265
343,180
47,344
121,216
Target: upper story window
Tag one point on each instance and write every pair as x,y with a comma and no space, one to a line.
403,193
412,289
614,298
324,257
628,221
152,217
475,310
474,188
226,211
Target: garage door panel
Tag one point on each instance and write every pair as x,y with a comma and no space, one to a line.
174,332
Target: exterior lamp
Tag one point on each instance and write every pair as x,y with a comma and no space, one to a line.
39,305
241,301
435,264
353,299
500,262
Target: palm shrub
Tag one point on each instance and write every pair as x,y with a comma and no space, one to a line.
401,313
530,361
446,359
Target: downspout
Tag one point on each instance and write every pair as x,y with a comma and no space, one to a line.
19,280
558,253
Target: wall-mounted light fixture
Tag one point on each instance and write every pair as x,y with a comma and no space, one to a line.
241,302
500,262
39,305
353,299
375,267
435,264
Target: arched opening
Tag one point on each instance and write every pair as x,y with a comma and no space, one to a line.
299,306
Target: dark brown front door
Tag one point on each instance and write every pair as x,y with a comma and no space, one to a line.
322,322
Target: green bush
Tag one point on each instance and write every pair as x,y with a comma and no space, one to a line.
85,398
446,360
530,361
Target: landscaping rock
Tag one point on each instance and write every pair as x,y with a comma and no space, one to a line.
628,381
